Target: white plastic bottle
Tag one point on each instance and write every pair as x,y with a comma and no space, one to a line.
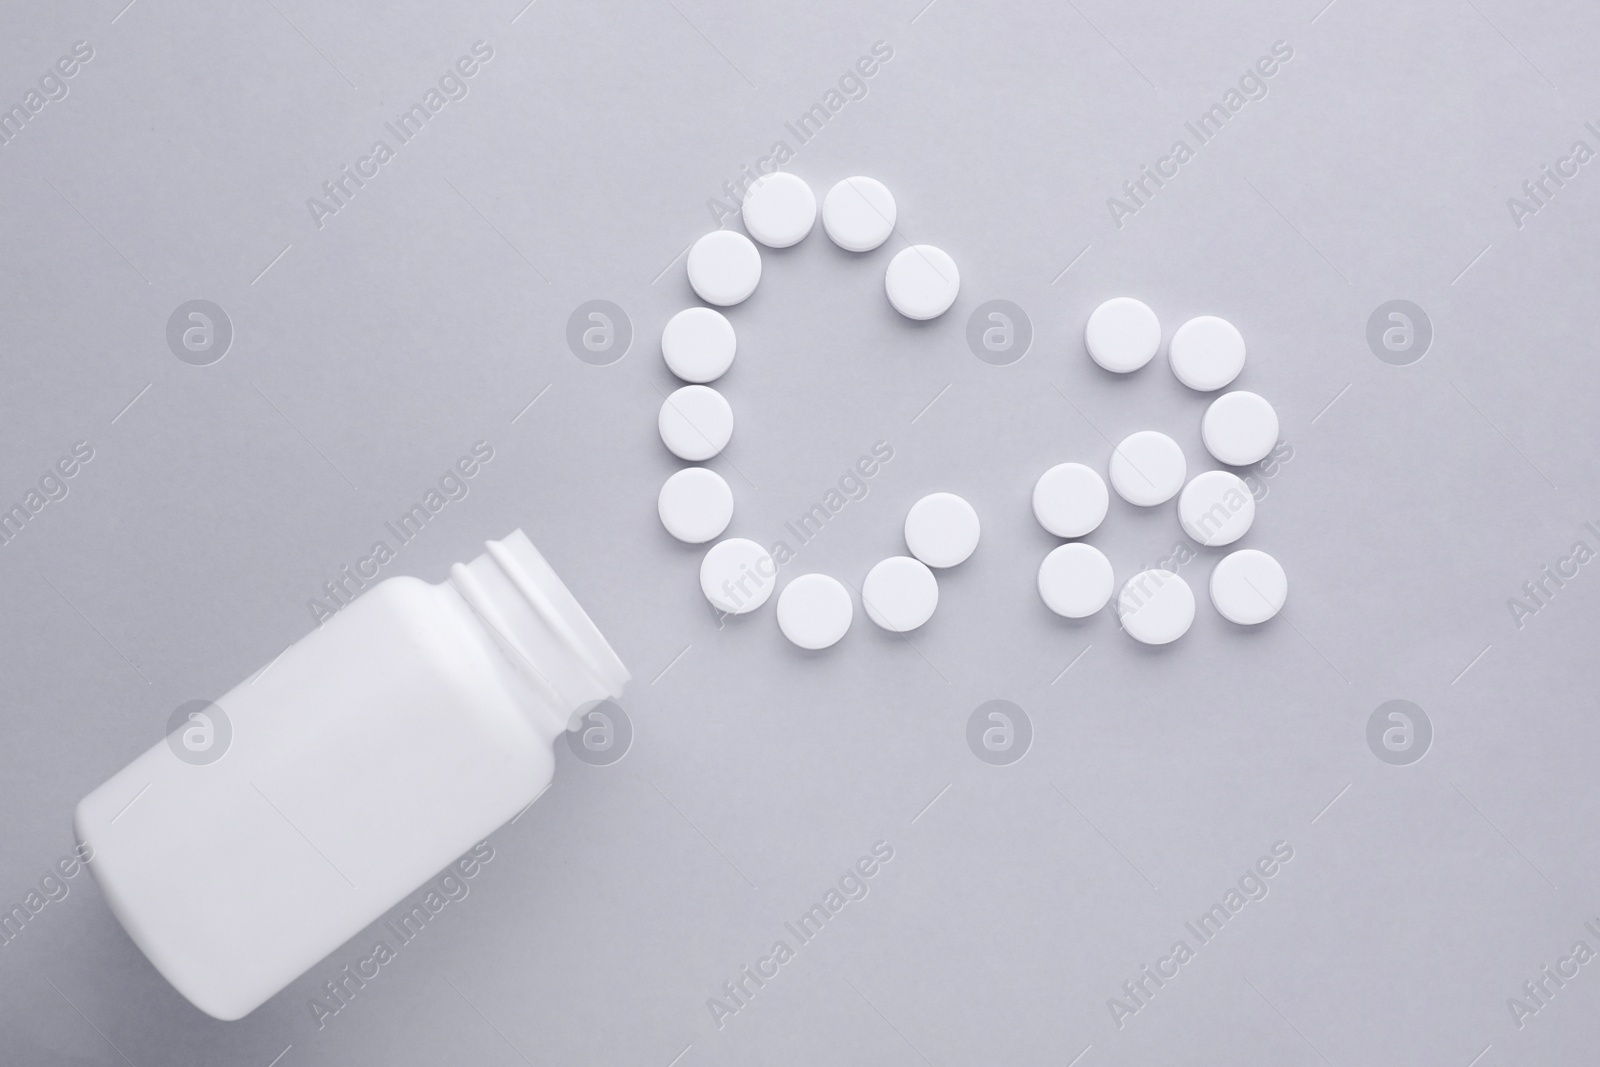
370,755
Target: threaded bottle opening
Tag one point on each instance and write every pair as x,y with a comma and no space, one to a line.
540,626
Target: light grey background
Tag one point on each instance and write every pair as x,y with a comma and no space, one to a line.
427,314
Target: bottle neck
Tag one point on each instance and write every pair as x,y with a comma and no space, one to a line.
539,625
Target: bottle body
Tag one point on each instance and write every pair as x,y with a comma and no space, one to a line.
370,755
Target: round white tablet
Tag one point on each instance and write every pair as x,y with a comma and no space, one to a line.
1156,607
922,282
695,505
698,344
724,267
941,530
814,611
1239,428
779,209
1075,580
900,594
1147,468
1206,353
1070,500
1248,586
1123,334
858,214
695,422
737,575
1216,508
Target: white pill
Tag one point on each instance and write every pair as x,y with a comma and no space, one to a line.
1206,353
941,530
724,267
1216,508
1239,428
1147,468
1123,334
1248,587
1070,500
1075,580
779,209
695,505
922,282
695,422
698,344
814,611
858,214
737,575
1156,607
900,594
